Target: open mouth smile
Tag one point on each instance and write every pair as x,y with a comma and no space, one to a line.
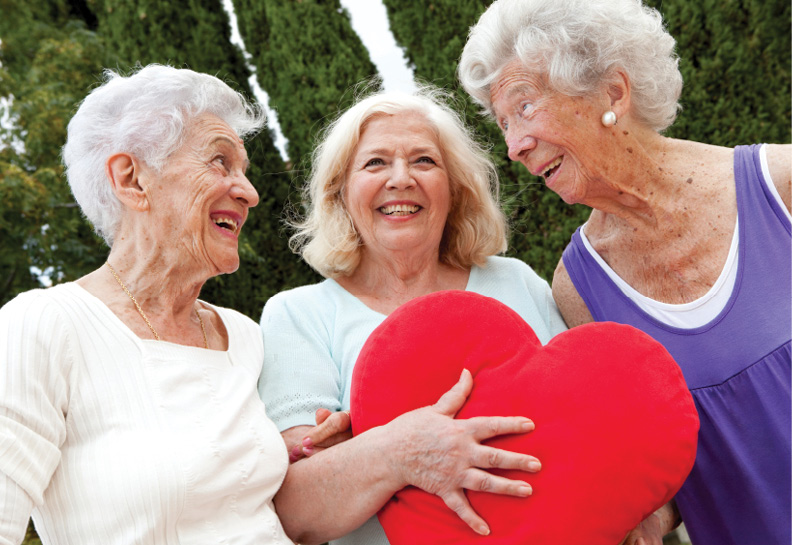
226,223
400,209
552,167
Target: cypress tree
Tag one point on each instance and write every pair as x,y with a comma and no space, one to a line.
308,58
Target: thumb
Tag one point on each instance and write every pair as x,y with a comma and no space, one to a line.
322,415
453,400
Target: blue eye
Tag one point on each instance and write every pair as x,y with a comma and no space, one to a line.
527,106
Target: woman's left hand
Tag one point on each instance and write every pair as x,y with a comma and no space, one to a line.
331,428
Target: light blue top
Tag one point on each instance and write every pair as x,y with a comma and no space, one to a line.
313,335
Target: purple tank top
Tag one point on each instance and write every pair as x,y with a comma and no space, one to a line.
737,368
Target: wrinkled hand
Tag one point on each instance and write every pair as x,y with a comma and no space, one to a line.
331,428
652,529
444,456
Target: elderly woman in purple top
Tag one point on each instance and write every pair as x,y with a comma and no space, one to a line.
686,241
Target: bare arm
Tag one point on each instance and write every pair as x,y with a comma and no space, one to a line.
335,491
654,527
779,162
569,302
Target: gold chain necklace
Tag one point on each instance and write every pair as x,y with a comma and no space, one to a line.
143,314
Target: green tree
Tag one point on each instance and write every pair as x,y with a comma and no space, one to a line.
308,59
49,59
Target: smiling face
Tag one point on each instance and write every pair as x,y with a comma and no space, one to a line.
201,198
397,189
556,136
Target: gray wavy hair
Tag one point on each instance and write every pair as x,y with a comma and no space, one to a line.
577,45
476,227
145,114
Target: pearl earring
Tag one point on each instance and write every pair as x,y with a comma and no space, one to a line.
608,119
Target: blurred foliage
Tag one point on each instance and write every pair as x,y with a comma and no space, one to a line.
49,61
307,58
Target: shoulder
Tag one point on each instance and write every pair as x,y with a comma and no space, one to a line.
510,268
43,308
311,303
779,163
41,326
569,301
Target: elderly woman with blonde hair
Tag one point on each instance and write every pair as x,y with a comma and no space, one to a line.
402,203
686,241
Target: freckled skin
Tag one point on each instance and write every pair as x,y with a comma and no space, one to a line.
664,210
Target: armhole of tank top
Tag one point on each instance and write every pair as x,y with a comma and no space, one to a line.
768,181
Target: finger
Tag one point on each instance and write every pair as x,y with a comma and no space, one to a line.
489,457
486,427
335,439
458,503
321,415
451,401
296,453
336,423
483,481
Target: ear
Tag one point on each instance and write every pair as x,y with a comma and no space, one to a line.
124,173
619,92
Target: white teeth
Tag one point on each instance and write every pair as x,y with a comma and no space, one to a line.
400,209
226,223
552,165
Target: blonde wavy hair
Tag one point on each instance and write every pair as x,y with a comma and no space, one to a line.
476,227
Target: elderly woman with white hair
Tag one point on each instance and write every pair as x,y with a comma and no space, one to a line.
687,241
128,407
402,203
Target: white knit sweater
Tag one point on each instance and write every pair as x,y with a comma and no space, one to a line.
110,439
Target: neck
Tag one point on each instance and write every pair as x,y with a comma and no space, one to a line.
397,278
644,186
163,283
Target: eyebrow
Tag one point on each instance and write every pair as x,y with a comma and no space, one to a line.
385,151
232,143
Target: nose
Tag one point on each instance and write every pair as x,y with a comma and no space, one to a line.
519,145
400,177
244,192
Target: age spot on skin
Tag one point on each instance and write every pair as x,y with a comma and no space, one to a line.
625,133
689,180
629,150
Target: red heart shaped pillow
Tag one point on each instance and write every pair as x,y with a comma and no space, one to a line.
616,427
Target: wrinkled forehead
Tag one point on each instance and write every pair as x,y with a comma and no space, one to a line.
515,79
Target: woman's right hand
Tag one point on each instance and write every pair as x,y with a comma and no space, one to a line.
444,456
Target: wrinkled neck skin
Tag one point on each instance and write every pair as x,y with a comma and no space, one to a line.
640,182
165,279
387,279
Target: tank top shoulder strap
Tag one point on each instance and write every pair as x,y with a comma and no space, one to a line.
756,198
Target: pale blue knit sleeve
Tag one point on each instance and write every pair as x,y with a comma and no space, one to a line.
299,374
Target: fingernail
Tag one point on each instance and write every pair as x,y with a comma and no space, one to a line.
307,443
534,465
308,451
295,453
483,530
528,426
525,490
